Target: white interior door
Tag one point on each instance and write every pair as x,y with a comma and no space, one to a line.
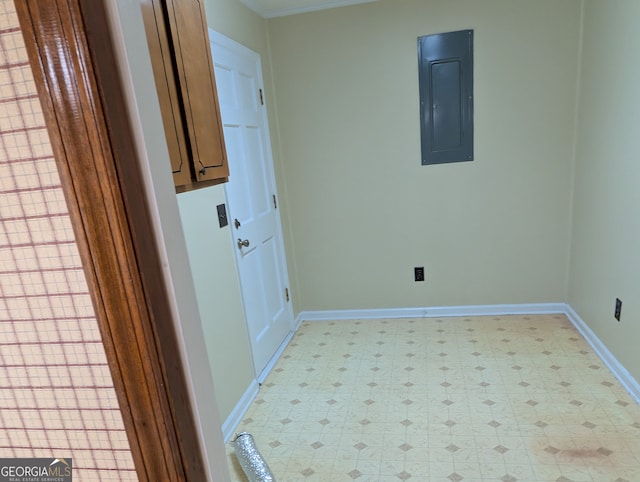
252,199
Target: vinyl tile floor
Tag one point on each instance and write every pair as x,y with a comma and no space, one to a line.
509,398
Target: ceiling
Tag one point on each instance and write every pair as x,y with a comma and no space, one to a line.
280,8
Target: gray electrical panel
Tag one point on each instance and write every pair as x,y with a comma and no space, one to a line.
445,75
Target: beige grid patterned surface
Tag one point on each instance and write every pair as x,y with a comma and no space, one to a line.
56,393
510,399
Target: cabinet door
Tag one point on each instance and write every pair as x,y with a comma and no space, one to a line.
167,87
192,56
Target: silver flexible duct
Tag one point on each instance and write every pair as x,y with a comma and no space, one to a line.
252,463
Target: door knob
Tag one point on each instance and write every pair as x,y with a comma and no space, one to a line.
242,243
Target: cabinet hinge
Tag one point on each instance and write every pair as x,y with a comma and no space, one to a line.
261,98
286,293
275,203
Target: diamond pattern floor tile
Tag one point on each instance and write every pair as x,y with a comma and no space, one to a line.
510,398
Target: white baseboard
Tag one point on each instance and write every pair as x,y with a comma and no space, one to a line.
232,421
625,378
234,418
433,312
276,356
629,383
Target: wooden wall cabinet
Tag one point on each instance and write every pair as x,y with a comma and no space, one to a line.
183,70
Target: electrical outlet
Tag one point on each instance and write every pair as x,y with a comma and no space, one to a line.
418,273
618,310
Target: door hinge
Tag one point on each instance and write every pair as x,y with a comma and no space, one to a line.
261,97
275,202
286,293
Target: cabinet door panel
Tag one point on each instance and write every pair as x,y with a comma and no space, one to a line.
166,85
188,27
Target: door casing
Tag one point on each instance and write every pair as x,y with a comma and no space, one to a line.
74,63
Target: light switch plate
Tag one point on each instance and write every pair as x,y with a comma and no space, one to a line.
222,215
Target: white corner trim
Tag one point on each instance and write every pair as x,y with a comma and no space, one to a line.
629,383
234,418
